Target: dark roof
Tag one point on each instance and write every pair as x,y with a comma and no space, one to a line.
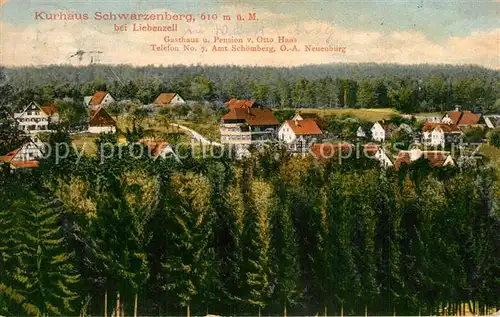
100,118
252,116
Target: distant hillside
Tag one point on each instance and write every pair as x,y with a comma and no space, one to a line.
417,88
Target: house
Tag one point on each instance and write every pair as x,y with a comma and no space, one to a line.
436,158
492,121
100,121
463,118
34,119
157,148
26,156
375,151
169,99
246,126
298,133
360,133
100,98
382,131
440,134
234,103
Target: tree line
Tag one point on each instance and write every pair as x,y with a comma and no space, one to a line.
273,234
420,88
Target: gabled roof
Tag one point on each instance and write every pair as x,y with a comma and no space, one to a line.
447,128
9,156
252,116
164,98
234,103
154,146
436,158
469,118
50,109
304,127
97,98
324,151
454,116
99,117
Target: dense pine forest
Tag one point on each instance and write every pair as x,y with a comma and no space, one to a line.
419,88
274,234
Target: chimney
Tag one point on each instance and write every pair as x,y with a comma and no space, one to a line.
296,122
457,108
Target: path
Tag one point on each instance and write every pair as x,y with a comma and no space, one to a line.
195,135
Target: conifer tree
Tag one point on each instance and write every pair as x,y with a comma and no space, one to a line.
44,273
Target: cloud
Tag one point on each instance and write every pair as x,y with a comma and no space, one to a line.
52,42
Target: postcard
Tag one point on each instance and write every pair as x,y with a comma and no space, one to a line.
249,158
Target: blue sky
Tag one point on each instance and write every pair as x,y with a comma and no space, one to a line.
437,19
438,22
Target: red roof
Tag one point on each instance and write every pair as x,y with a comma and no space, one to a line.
454,116
430,126
327,150
100,118
436,158
252,116
9,156
25,164
234,103
304,127
164,98
155,147
469,118
49,109
97,98
370,149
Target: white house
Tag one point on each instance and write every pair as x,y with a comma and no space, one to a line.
378,153
169,99
101,121
297,133
382,132
26,156
100,98
438,134
244,126
33,118
360,133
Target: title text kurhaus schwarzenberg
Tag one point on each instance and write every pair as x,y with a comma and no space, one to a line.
111,16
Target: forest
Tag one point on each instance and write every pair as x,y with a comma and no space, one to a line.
409,89
274,234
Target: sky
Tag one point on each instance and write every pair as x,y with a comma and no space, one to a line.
390,31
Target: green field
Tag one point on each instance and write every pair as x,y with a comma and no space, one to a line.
364,114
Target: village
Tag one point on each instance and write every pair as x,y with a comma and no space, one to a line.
441,138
